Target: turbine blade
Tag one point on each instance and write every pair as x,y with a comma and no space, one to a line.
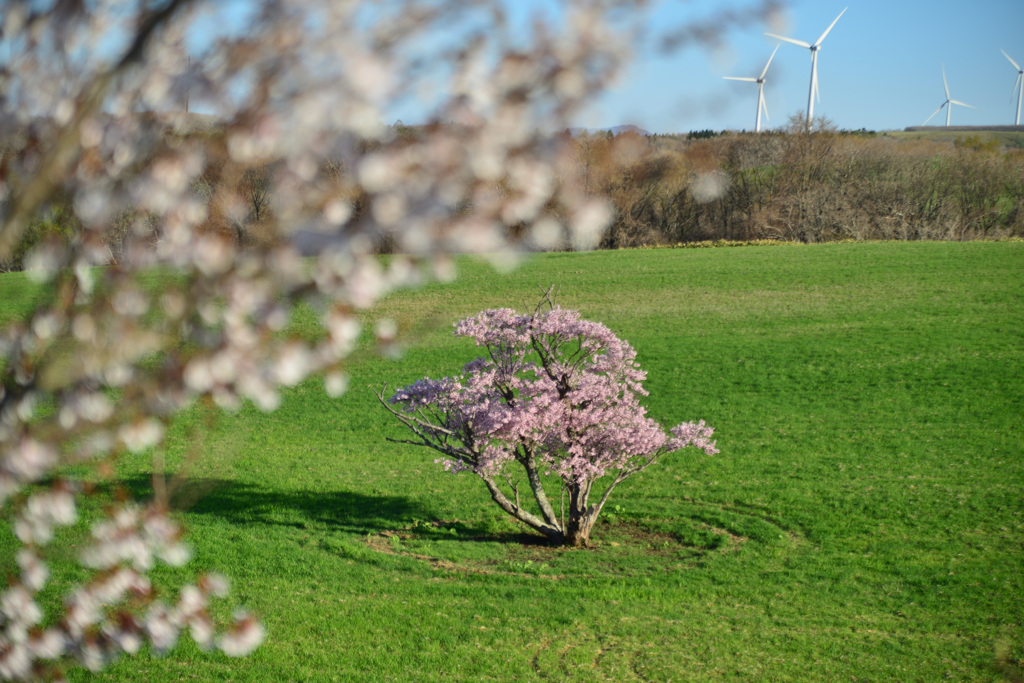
1015,65
1016,84
963,104
740,78
944,83
765,70
818,41
801,43
934,113
814,83
764,105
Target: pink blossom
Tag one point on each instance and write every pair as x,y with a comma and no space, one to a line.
555,392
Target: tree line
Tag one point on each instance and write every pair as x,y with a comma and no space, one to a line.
816,186
791,185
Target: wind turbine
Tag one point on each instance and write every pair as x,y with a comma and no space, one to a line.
760,90
1018,86
948,104
813,47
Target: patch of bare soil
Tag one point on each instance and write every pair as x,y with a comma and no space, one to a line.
620,547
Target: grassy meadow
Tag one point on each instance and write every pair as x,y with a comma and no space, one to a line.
863,521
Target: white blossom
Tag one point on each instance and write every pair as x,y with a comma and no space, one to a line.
15,661
21,610
50,644
336,384
103,365
246,634
34,572
140,435
161,627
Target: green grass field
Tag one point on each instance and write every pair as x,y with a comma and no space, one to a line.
863,521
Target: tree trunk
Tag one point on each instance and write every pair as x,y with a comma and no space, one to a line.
577,534
581,517
578,525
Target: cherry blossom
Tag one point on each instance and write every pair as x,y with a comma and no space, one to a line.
555,395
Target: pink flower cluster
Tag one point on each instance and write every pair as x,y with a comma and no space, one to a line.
554,385
695,434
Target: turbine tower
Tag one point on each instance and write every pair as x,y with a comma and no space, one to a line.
813,47
948,104
1017,86
760,90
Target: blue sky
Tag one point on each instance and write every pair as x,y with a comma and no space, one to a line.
879,68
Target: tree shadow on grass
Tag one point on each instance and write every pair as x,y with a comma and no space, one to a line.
248,504
244,503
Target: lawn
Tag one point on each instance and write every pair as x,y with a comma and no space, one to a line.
863,521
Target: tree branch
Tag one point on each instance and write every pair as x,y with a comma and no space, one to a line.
410,420
552,531
537,486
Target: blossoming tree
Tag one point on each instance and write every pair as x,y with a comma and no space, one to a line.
554,395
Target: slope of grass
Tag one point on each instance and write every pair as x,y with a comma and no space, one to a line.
864,519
